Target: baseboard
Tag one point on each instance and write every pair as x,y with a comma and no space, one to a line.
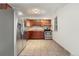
63,48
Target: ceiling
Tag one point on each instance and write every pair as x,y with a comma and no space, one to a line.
45,9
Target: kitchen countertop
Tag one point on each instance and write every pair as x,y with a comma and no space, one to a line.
35,29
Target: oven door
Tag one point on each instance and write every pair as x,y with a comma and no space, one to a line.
48,35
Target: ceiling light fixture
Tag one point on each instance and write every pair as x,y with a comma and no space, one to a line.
20,13
36,11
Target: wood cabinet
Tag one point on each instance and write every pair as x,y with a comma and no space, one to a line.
37,23
33,23
45,22
34,35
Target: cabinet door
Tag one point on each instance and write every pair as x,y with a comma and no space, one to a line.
33,23
37,23
36,35
45,22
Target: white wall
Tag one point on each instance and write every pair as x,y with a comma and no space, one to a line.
15,32
6,33
68,28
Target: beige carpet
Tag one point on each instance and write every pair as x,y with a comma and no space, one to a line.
43,48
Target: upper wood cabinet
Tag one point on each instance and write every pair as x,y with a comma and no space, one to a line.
45,22
37,22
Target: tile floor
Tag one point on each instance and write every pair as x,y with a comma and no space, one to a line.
43,48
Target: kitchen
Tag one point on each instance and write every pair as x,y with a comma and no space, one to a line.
37,29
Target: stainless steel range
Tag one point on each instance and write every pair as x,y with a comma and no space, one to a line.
48,34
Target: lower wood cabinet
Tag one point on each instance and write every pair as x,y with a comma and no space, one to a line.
33,35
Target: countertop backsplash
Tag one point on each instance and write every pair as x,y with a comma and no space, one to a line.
35,28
